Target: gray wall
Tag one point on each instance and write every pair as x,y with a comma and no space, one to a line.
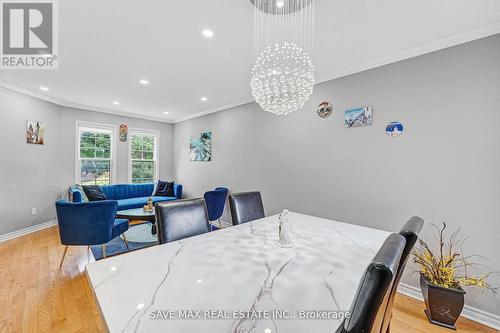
36,176
445,167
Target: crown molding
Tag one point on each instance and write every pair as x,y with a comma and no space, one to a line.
444,43
67,104
242,101
449,41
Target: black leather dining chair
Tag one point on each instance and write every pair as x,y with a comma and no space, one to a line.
369,304
180,219
410,232
246,207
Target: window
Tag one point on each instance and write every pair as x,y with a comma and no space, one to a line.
143,164
95,154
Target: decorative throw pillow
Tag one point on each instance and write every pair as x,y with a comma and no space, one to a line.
155,185
94,193
80,188
165,189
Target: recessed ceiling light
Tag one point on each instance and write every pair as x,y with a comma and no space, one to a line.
208,33
44,88
204,99
166,112
140,306
144,82
116,103
280,3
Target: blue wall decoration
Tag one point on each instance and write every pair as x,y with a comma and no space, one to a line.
394,129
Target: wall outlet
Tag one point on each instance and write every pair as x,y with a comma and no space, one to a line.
34,211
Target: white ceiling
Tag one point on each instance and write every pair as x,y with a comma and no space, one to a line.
105,47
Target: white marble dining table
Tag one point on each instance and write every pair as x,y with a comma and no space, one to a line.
238,280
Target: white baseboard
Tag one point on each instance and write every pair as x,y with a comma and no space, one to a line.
28,230
486,318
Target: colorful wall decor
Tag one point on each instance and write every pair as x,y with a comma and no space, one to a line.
358,117
35,132
324,110
200,147
123,133
394,129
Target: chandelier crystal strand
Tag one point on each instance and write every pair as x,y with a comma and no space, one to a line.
283,74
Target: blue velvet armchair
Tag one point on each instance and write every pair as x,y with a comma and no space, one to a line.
89,223
215,201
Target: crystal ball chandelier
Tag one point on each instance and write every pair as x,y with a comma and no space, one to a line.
283,74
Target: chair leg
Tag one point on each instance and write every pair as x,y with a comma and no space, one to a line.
64,256
103,250
220,223
125,240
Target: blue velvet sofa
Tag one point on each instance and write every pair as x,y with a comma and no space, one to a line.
129,196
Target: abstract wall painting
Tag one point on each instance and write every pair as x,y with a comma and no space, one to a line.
324,110
35,132
394,129
359,117
200,147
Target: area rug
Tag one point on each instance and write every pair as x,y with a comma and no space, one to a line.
138,237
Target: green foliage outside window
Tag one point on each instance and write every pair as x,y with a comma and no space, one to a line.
95,155
95,145
143,158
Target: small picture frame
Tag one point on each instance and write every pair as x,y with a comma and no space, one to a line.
123,133
35,132
324,109
358,117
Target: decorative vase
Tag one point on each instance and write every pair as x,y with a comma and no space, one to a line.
443,305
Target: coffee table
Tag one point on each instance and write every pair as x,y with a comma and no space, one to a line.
138,216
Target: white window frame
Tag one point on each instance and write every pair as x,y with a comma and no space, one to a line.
156,135
97,126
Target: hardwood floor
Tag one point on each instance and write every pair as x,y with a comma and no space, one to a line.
37,296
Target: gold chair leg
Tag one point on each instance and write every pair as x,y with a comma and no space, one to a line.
125,240
220,223
64,256
103,250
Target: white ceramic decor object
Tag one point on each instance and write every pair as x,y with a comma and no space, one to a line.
284,239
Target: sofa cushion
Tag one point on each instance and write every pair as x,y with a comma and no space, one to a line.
161,198
127,191
77,194
164,189
79,188
132,203
94,193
